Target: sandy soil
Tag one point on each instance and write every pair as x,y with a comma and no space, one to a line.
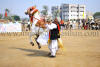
80,52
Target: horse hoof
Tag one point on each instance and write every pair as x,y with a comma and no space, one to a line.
39,47
32,43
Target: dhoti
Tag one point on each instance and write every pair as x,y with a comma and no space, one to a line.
53,46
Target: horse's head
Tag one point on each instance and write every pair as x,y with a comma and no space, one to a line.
31,11
35,16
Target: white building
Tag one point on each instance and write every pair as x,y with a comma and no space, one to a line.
72,11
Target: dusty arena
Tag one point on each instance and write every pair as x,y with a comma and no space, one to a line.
82,49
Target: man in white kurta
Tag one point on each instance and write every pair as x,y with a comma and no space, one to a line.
43,39
53,45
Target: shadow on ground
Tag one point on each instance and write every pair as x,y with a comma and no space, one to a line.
34,53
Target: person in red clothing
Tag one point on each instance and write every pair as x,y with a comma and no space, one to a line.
62,24
5,13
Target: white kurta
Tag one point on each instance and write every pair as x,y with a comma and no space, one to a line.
44,37
53,46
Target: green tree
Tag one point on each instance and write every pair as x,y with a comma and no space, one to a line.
45,10
16,17
8,11
9,18
1,15
96,14
56,13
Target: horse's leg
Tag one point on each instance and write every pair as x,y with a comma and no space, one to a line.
31,42
30,37
39,46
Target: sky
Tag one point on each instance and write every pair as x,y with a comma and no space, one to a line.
18,7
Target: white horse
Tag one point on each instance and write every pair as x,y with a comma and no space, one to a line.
37,24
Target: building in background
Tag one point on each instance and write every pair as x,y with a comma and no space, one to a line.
71,11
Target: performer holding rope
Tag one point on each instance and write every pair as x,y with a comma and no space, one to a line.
44,32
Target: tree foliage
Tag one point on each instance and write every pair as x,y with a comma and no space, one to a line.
1,15
96,14
56,13
45,10
16,17
7,10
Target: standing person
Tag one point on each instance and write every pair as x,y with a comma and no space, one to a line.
28,26
83,22
80,24
53,36
67,26
71,25
74,25
61,24
23,25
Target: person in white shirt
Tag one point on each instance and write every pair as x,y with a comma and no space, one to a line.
53,36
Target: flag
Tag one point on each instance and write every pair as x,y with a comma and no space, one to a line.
5,13
83,15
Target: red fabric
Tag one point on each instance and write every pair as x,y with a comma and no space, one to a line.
33,7
85,27
62,22
58,27
31,19
49,34
5,13
35,10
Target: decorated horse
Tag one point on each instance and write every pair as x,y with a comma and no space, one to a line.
37,24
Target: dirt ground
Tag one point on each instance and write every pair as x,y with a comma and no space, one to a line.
79,52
